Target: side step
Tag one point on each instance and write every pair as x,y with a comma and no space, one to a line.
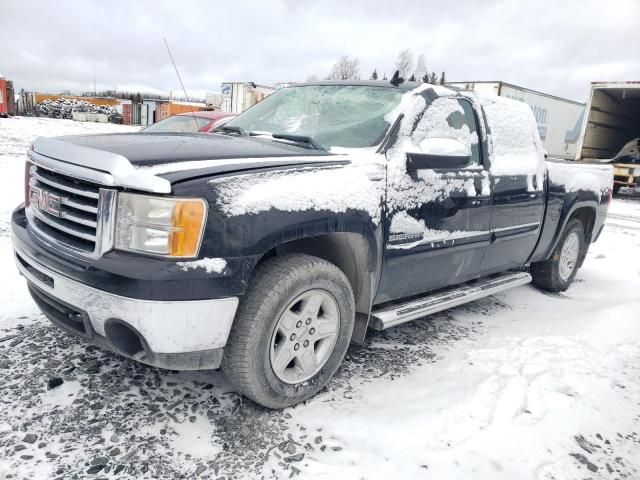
420,307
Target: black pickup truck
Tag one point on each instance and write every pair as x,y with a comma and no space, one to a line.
322,211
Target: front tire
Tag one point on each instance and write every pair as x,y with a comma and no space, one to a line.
291,332
558,272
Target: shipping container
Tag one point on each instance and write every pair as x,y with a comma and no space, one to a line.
559,119
169,108
612,119
238,96
7,97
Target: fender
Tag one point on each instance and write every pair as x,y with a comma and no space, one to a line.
561,207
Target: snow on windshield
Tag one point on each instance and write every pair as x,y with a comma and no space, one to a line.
334,116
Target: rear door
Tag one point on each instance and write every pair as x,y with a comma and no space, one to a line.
438,219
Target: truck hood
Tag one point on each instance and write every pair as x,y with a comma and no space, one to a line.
151,162
150,149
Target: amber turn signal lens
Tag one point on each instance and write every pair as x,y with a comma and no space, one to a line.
187,222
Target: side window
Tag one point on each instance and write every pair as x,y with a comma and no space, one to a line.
450,118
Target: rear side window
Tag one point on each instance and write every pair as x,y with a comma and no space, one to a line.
450,118
517,149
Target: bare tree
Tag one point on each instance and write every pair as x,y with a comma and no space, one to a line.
313,78
421,67
345,69
404,63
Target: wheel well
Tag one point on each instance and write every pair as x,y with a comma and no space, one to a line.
587,215
347,251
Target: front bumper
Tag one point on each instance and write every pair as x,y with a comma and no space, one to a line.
179,335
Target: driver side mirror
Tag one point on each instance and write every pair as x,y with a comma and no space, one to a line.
439,153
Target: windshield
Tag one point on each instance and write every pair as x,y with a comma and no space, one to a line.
179,123
331,115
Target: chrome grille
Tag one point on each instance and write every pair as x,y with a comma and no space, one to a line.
68,212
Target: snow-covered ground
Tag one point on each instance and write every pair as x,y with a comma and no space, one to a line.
522,385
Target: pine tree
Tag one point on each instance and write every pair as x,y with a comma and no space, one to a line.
374,75
384,77
412,78
443,79
425,77
433,78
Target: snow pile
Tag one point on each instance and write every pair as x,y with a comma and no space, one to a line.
582,176
516,148
210,265
357,186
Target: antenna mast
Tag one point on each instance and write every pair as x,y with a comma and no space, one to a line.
180,79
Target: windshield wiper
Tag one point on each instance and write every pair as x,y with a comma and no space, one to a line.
231,128
299,139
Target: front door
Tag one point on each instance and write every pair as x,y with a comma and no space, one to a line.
438,221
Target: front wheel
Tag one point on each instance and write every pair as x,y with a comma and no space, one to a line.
558,272
291,332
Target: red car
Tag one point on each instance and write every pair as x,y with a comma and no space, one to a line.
203,122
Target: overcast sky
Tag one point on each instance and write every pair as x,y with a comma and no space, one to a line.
555,47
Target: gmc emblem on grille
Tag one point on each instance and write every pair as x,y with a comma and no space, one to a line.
46,201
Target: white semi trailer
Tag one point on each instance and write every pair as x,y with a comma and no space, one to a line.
238,96
559,119
612,130
613,119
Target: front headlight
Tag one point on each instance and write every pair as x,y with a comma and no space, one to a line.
171,227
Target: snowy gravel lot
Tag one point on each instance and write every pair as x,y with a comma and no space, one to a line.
522,385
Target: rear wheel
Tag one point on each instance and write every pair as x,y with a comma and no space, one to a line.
558,272
616,187
291,332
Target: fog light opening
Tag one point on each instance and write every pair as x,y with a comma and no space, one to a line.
124,338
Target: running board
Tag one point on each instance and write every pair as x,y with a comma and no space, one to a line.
427,305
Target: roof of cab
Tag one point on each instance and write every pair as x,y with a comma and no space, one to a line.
362,83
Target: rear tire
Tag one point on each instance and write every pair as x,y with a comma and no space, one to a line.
557,273
291,300
616,188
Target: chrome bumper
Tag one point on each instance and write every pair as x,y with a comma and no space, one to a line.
197,330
